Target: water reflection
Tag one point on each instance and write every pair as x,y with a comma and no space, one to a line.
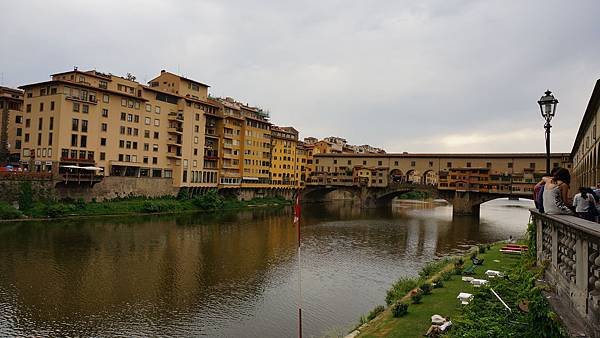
225,274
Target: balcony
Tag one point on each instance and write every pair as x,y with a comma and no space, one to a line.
175,155
210,132
175,130
211,154
175,117
174,142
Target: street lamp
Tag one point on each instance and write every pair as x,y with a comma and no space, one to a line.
548,109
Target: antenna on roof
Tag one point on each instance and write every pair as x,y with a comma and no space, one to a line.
75,68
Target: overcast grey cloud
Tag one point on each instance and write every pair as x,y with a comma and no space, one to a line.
418,76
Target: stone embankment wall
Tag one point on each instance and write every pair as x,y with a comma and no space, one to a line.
119,187
109,188
41,189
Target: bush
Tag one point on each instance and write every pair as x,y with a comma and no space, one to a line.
437,283
416,297
7,211
377,310
459,262
25,196
56,210
482,249
426,288
209,200
447,275
400,289
399,310
154,206
458,271
432,267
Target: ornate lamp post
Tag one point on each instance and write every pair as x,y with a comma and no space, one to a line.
548,108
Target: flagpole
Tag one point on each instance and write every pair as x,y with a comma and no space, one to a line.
297,221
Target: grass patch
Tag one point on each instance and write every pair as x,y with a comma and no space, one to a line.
442,300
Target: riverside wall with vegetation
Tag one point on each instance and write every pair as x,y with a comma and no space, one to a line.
29,206
412,301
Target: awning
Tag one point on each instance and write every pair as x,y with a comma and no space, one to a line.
70,166
91,168
251,178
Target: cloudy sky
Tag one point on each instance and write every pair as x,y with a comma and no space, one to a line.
417,76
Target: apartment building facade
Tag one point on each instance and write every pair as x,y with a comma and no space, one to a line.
285,163
119,126
11,125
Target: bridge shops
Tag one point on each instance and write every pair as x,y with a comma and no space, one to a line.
466,180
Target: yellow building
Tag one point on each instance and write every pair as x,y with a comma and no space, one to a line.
256,147
233,124
92,119
11,125
285,167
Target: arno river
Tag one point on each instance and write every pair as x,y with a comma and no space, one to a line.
229,274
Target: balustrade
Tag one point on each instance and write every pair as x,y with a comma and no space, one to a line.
571,248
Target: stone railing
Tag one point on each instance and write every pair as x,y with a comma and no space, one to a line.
571,248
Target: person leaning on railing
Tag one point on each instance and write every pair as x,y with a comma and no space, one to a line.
585,204
555,195
538,190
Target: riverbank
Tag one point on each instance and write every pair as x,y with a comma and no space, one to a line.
131,206
484,316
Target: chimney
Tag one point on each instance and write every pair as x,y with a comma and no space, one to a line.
162,71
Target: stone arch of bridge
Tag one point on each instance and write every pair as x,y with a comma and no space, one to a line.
413,176
396,176
318,193
429,177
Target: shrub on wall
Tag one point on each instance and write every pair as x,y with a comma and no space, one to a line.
7,211
25,196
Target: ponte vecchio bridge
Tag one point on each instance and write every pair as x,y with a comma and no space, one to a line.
464,180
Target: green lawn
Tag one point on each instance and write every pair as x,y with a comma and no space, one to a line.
441,301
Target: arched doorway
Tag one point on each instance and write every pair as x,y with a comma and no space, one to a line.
396,176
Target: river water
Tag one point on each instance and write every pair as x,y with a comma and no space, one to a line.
226,274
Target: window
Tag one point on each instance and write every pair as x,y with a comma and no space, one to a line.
532,165
74,140
155,134
51,123
49,139
40,123
430,163
145,160
39,139
102,156
156,122
449,165
379,162
123,116
104,127
135,132
128,144
75,125
488,164
18,119
19,131
468,164
334,161
28,108
76,106
148,107
41,106
510,164
129,117
84,126
155,147
155,161
51,105
134,145
122,130
121,143
157,109
413,163
196,141
105,98
85,109
27,123
103,141
129,131
104,112
146,147
124,102
26,138
136,118
83,141
147,133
